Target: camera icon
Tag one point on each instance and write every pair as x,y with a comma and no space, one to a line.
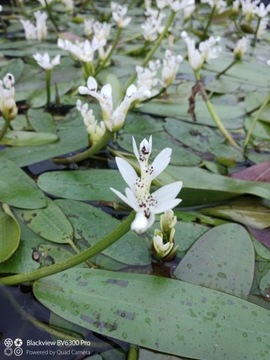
18,342
8,342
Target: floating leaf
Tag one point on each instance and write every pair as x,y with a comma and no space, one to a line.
202,187
93,185
21,261
15,67
202,139
259,172
17,189
213,261
27,138
90,224
159,313
10,233
49,223
41,121
246,211
72,137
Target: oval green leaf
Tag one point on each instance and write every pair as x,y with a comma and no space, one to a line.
159,313
27,138
18,189
49,223
90,224
213,261
10,233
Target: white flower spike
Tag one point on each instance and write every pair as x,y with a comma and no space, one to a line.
114,119
45,62
138,195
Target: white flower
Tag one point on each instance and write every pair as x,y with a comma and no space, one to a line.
69,5
42,2
114,118
7,97
147,76
188,7
207,50
249,8
235,7
88,26
240,48
41,26
82,50
220,5
30,30
261,10
1,8
153,24
95,129
138,195
170,67
102,30
175,5
45,62
268,62
119,12
262,27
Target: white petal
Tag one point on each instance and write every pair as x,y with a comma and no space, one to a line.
83,90
161,162
127,171
168,192
135,149
131,90
122,197
106,91
166,205
92,84
132,199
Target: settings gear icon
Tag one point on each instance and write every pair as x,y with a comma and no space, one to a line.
18,342
8,342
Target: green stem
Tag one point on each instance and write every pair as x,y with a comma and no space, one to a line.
265,102
205,32
212,111
133,353
154,48
256,32
50,16
87,153
4,128
88,70
227,68
48,86
107,58
101,245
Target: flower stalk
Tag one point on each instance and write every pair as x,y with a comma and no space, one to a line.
48,86
101,144
95,249
256,118
108,57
